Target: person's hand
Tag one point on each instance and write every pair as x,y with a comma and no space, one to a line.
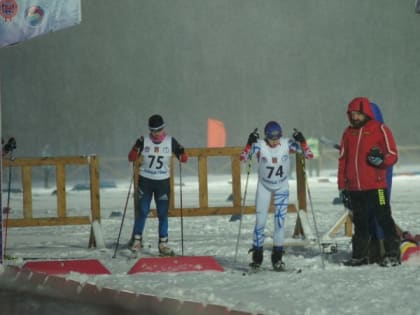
183,158
298,136
345,198
253,137
180,153
375,157
138,144
10,145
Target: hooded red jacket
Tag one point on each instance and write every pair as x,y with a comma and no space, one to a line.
354,171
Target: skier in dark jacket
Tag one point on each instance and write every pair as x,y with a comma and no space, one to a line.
156,150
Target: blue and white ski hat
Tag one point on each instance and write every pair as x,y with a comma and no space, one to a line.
272,130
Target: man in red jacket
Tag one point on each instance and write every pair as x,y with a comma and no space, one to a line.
367,149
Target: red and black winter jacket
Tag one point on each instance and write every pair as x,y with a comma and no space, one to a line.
354,171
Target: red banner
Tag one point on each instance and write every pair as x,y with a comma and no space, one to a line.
216,133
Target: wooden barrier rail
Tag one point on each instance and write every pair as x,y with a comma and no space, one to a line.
60,163
203,209
203,155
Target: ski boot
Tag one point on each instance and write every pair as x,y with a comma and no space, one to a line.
376,251
276,258
392,252
360,255
389,261
356,262
136,246
164,249
257,257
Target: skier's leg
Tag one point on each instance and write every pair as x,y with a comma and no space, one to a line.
144,200
376,251
162,195
262,204
361,236
391,239
281,202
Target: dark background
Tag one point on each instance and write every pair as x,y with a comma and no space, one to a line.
90,88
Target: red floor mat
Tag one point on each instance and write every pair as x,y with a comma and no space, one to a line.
89,266
175,264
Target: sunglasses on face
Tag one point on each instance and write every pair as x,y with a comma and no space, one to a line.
156,130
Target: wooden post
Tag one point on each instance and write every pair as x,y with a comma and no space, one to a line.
236,181
27,191
301,192
94,195
94,187
202,181
61,190
348,227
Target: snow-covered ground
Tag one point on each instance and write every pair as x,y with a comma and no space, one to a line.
334,289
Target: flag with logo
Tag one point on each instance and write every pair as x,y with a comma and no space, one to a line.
21,20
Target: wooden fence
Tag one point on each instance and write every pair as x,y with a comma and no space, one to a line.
203,155
60,163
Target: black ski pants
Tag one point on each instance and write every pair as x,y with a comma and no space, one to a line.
364,203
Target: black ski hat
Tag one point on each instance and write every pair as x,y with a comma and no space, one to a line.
156,122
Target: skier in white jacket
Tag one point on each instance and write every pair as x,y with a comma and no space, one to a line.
273,156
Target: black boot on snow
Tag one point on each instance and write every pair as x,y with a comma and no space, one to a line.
355,262
376,251
257,256
360,255
389,261
276,258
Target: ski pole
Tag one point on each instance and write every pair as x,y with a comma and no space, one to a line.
6,225
243,205
312,210
180,205
122,220
330,142
315,226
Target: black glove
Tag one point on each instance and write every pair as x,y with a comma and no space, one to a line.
138,143
345,198
179,151
298,136
10,145
375,157
253,137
